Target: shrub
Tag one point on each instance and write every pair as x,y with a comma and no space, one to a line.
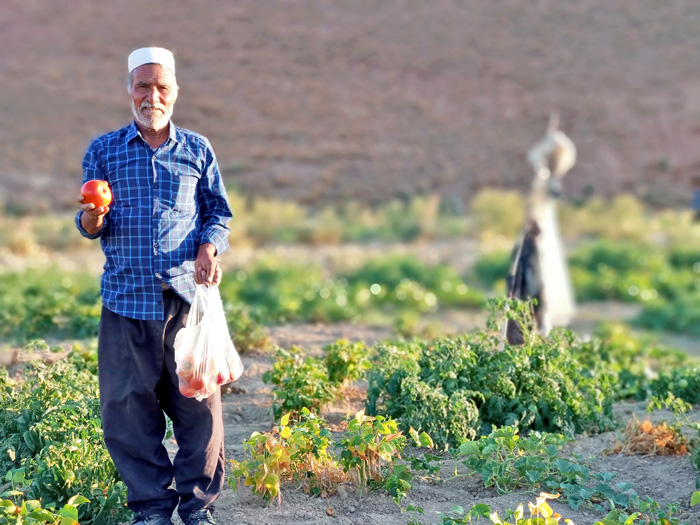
300,382
346,362
538,386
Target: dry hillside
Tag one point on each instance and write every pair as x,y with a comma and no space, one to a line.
328,100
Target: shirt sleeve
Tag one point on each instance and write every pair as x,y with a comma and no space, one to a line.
213,205
91,171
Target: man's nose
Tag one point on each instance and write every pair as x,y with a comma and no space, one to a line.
153,94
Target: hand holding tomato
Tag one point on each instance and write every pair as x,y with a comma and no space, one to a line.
95,197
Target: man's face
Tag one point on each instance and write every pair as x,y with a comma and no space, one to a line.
153,94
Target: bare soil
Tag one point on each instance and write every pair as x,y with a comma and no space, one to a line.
246,409
324,101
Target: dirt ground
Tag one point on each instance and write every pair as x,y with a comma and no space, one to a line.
322,102
246,409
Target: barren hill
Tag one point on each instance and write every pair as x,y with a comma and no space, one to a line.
328,100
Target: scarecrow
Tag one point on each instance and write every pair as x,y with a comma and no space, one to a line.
538,265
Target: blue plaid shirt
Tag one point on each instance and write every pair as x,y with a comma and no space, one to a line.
166,203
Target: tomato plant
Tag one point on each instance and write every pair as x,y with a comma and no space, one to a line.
51,441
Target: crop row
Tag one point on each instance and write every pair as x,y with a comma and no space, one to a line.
57,303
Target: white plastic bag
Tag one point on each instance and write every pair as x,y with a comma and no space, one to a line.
204,352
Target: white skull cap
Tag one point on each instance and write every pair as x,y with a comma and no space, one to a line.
151,55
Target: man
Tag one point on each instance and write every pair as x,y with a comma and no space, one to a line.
160,236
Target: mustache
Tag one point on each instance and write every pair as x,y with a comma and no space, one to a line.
148,105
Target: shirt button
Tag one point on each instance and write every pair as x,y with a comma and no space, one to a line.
158,275
155,186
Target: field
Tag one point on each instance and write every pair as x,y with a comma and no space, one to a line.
323,102
359,326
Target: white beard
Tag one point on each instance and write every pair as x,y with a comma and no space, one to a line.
154,119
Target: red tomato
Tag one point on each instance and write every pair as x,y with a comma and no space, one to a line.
197,383
96,192
186,390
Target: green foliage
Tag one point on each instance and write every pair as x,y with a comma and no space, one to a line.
490,270
246,333
665,280
303,452
683,383
625,271
308,382
30,512
633,361
680,315
539,514
346,362
51,444
39,303
290,452
404,280
650,512
277,291
646,511
507,461
300,382
370,443
457,388
683,256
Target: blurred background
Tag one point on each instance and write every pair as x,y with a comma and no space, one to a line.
374,153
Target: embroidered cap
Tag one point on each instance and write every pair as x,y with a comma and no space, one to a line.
151,55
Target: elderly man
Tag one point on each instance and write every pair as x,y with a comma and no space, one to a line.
160,236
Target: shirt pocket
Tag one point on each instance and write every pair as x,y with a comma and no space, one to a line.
185,180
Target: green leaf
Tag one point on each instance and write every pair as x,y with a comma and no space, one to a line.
481,509
41,515
78,500
271,481
469,448
425,440
695,498
68,511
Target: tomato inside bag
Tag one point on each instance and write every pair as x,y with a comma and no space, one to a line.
204,352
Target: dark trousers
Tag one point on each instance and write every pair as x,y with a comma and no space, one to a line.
138,384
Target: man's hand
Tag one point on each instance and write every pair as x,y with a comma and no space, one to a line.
206,269
92,218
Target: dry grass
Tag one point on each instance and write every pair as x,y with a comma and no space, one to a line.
647,439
